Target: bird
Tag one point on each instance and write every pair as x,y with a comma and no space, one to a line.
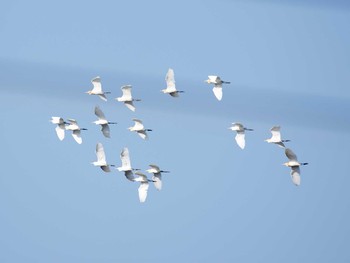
103,122
139,128
73,126
144,185
126,165
157,175
170,84
127,97
240,129
216,80
97,89
60,128
276,137
101,158
294,165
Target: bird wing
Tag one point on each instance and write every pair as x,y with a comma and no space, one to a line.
60,132
213,79
105,130
73,121
102,97
129,175
127,92
291,155
100,153
157,181
295,174
138,124
143,134
130,105
240,139
124,156
155,167
57,120
99,113
218,91
96,82
143,188
237,126
105,168
77,137
174,94
170,80
276,134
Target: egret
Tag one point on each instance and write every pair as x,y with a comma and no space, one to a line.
170,84
294,165
157,175
73,126
101,158
97,89
217,85
143,188
139,128
127,97
103,122
276,137
240,136
126,165
60,128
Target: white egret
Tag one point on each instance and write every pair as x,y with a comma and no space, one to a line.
126,165
103,122
157,175
127,97
217,85
97,89
170,84
101,158
60,128
73,126
276,137
294,165
139,128
143,188
240,136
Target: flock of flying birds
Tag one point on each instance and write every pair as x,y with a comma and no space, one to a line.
127,99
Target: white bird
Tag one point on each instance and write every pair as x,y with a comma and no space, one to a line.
170,84
276,137
240,136
103,122
60,128
295,165
97,89
140,129
101,158
144,185
157,175
127,97
126,165
73,126
217,85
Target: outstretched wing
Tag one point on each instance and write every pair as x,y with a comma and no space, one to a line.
77,137
143,134
157,181
106,168
96,82
240,139
124,156
295,174
105,130
143,188
99,113
276,134
218,91
138,124
130,105
126,92
60,132
291,155
100,153
129,175
170,80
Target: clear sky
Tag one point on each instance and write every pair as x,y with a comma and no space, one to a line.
288,63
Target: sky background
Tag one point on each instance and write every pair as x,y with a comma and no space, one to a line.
288,63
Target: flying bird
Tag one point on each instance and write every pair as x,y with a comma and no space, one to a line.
139,129
97,89
73,126
170,84
126,165
276,137
60,128
127,97
144,185
294,165
101,158
240,136
103,122
217,85
157,175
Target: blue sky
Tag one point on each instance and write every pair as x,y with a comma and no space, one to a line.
288,64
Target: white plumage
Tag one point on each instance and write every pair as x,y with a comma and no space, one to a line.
127,97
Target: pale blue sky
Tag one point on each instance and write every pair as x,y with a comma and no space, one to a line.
288,64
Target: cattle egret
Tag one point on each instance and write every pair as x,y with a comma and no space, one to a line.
126,165
60,128
143,188
294,165
97,89
276,137
103,122
157,176
101,158
73,126
139,128
127,97
217,85
170,84
240,136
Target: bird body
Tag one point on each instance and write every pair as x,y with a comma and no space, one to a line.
73,126
157,175
103,122
294,164
170,82
97,89
240,136
101,158
217,90
139,129
127,97
276,137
